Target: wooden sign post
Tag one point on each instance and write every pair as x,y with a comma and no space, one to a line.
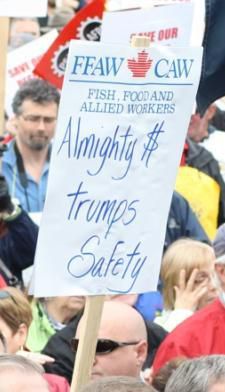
87,342
4,32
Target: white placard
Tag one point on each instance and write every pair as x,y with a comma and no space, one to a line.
21,8
115,5
121,129
198,25
21,63
162,25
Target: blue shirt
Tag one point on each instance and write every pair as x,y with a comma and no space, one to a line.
36,192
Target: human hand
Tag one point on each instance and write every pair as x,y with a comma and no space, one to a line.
38,358
187,294
146,375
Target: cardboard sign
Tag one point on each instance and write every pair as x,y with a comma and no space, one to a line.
197,27
120,133
86,25
21,8
115,5
162,25
21,63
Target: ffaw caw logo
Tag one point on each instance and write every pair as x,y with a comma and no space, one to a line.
166,67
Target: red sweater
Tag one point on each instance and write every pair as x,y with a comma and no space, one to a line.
201,334
57,383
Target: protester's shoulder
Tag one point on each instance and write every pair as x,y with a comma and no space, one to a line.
196,150
179,202
210,314
9,156
63,336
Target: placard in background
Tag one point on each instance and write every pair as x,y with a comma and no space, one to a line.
21,8
21,63
162,25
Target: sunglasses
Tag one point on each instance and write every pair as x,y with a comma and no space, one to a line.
104,346
5,294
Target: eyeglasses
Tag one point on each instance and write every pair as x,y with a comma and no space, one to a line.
104,346
5,294
36,119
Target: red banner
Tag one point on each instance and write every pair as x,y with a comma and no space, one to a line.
86,25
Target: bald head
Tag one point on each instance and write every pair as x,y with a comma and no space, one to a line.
123,324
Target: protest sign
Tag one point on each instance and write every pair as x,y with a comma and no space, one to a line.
21,63
116,5
22,8
120,133
4,31
86,25
197,27
164,26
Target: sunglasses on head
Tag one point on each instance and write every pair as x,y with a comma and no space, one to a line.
104,346
5,294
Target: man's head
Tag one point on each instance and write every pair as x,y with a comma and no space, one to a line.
22,31
120,323
118,384
35,106
198,126
18,374
199,374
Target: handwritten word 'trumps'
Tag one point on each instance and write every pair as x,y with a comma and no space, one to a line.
95,211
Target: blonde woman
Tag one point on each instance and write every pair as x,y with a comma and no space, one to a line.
188,278
15,319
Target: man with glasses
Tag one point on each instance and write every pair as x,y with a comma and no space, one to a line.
122,342
26,163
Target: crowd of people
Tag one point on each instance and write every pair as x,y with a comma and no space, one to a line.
168,340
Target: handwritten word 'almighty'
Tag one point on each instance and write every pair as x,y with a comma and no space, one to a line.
118,145
107,211
126,268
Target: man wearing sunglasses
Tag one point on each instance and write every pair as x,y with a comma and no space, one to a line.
122,341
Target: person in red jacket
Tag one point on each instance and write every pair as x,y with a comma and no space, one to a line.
56,383
200,334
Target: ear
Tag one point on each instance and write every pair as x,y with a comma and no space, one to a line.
220,270
21,334
141,352
11,125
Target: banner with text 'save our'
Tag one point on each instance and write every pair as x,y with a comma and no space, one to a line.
86,25
20,65
162,25
121,129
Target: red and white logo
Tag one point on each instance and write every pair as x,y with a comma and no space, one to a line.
140,66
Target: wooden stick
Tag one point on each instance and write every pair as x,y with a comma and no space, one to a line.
140,41
4,32
87,342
